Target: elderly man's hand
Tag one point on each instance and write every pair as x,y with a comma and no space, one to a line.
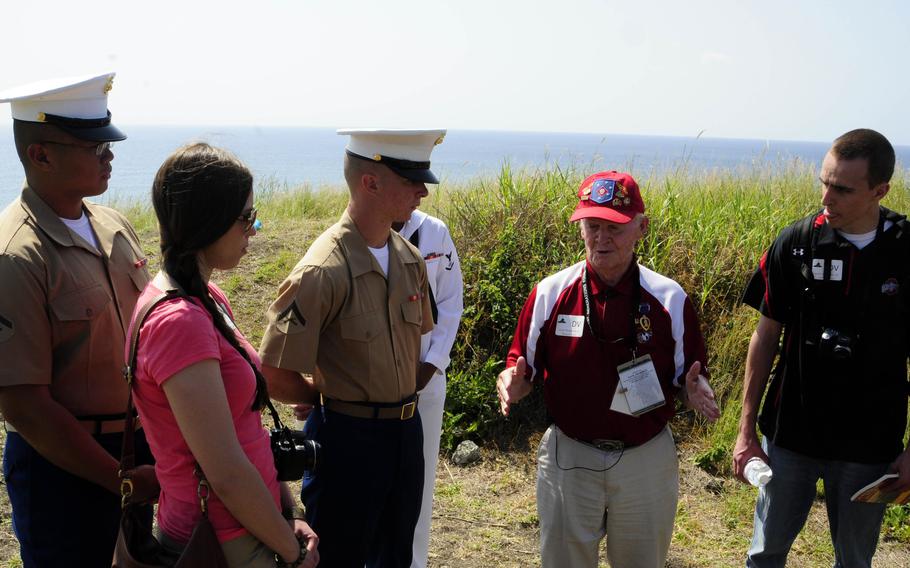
699,396
511,386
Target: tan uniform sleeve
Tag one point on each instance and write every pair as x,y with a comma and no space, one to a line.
308,300
26,341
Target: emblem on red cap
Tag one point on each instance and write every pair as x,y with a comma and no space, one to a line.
602,191
609,195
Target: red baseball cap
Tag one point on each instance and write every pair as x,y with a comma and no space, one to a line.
612,196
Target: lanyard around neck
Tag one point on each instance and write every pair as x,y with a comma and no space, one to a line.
639,327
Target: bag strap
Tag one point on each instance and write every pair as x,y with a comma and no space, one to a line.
127,450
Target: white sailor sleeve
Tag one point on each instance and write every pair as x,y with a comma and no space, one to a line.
448,292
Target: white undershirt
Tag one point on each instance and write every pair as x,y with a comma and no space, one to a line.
861,240
382,257
83,228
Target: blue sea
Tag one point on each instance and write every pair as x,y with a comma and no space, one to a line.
292,157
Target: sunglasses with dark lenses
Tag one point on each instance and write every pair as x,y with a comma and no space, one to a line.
99,149
248,219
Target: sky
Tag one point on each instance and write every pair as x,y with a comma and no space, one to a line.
771,69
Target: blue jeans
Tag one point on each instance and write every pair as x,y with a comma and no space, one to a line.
61,519
783,506
364,498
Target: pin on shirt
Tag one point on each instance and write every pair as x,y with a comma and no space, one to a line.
644,323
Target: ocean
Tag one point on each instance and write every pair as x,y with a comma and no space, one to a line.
292,157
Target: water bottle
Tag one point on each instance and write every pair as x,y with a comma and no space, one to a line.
757,472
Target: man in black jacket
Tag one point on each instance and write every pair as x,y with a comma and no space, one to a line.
837,285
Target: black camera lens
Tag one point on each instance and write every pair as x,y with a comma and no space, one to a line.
842,352
836,345
294,454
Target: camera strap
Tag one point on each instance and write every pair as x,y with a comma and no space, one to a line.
276,420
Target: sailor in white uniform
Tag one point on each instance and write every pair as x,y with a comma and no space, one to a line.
432,237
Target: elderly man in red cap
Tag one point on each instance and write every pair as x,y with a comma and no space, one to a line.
614,344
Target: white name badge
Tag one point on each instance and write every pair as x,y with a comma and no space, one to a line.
818,268
837,270
638,379
570,326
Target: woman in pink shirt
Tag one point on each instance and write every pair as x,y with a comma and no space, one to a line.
198,387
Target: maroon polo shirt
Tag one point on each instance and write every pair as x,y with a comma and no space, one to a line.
579,371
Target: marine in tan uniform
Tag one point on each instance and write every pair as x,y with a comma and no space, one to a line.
70,274
350,317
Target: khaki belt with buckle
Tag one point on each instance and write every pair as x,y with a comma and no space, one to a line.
370,410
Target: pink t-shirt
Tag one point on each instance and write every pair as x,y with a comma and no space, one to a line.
177,334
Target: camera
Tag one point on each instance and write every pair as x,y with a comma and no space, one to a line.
294,453
836,345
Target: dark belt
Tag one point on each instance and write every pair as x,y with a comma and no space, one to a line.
98,424
403,410
605,445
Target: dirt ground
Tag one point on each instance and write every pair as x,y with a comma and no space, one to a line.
485,516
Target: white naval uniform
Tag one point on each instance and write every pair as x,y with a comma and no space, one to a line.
444,275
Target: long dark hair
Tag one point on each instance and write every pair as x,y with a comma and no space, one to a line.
198,194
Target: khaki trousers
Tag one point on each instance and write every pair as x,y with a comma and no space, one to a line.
584,494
